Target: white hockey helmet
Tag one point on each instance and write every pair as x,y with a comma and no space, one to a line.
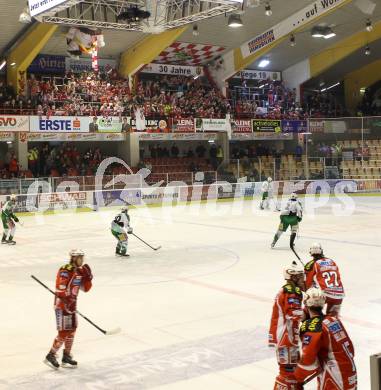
314,297
294,196
316,249
13,197
124,209
269,179
76,252
292,270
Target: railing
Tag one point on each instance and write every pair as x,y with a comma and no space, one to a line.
107,182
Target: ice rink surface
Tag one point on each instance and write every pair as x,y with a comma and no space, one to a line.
195,314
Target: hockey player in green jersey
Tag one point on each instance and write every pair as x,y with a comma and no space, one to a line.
8,219
290,216
120,228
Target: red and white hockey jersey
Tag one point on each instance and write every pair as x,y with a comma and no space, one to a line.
286,316
327,349
68,283
325,274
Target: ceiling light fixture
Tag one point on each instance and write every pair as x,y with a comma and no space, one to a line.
263,63
367,51
235,21
369,25
13,63
329,34
195,31
3,63
268,11
292,40
25,16
330,87
322,32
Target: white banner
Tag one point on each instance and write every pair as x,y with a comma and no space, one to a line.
59,124
85,65
306,15
38,6
262,136
78,137
7,137
14,123
202,124
249,74
191,71
177,136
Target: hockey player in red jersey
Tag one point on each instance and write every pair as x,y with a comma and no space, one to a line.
71,278
326,348
323,272
285,321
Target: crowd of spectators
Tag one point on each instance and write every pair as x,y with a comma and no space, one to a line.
323,105
266,99
91,94
46,160
370,104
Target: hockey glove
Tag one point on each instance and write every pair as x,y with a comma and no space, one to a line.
299,219
86,272
15,218
70,304
130,230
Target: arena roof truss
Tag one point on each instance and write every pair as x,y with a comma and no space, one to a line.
165,14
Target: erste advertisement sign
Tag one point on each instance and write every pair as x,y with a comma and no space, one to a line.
59,124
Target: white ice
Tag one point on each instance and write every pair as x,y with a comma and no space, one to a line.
195,314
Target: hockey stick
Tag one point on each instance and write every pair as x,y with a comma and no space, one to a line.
105,332
313,376
293,249
152,247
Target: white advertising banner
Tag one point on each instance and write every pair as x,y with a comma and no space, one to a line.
10,123
191,71
77,137
306,15
7,137
250,74
38,6
203,124
177,136
262,136
85,65
59,124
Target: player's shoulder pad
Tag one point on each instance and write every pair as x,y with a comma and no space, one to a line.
309,265
67,267
290,289
314,325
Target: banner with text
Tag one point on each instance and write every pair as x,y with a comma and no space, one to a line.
241,125
74,137
202,124
191,71
46,63
159,125
59,124
10,123
36,7
177,136
249,74
306,15
85,65
267,125
294,126
181,125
